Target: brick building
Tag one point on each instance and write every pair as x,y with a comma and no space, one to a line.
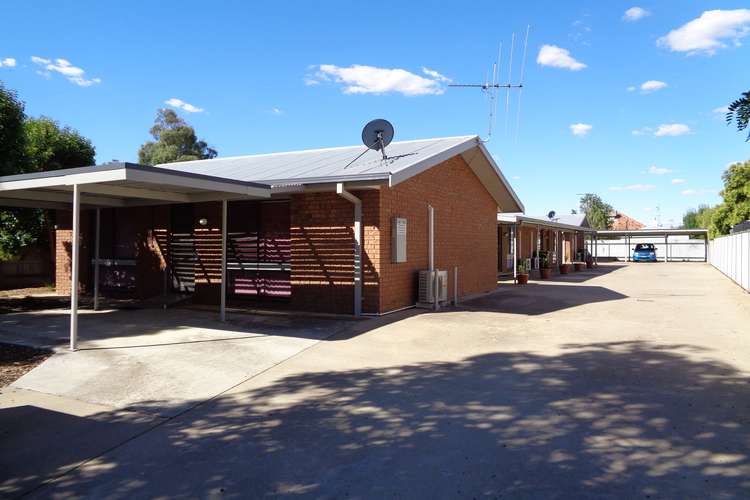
329,220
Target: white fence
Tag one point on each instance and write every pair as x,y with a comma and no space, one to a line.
731,255
679,248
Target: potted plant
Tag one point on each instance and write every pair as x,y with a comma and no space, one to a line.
564,267
589,261
522,274
546,265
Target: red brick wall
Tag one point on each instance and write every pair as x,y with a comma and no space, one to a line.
465,232
322,252
64,251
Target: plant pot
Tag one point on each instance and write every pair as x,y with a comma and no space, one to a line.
589,264
546,273
578,266
522,279
564,268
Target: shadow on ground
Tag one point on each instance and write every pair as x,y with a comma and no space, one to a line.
540,297
604,420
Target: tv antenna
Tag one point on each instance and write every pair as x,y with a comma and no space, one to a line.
491,88
376,135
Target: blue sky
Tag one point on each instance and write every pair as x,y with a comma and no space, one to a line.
264,77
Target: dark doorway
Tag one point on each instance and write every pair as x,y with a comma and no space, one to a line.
182,255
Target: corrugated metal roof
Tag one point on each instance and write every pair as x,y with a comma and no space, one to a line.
327,165
572,219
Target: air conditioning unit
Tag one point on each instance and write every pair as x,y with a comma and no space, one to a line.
427,286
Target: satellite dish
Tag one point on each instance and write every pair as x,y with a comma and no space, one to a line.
377,135
551,214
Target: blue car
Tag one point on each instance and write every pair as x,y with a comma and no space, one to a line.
644,252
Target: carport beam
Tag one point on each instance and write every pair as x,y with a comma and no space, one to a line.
75,244
223,306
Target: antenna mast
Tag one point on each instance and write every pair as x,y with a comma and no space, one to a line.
491,88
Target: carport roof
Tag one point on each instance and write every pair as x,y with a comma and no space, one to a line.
357,164
120,184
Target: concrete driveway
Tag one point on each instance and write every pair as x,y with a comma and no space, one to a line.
624,382
156,361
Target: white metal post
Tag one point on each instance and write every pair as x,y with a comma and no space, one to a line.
666,247
223,306
431,237
596,249
357,245
75,244
96,258
514,239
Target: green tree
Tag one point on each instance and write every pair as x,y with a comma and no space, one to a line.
598,213
51,147
736,194
47,146
12,138
174,140
699,218
739,112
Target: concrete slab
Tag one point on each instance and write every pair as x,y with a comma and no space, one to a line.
44,436
155,361
639,390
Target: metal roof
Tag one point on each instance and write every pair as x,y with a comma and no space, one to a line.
653,232
355,164
518,218
121,184
573,219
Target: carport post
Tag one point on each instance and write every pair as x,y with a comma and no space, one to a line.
596,249
514,239
96,259
223,306
666,247
75,244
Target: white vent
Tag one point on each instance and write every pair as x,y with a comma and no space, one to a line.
427,286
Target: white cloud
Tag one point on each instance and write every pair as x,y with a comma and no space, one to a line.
8,62
647,209
678,181
557,57
360,79
185,106
631,88
633,187
581,129
672,129
721,110
653,169
435,75
277,111
652,86
693,192
516,177
708,33
635,14
65,68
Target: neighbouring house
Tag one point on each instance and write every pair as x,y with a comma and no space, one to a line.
332,215
622,222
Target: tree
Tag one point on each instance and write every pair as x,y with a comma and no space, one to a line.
736,194
739,112
174,140
12,139
47,146
598,213
699,218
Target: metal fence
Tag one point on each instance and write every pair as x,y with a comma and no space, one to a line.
731,255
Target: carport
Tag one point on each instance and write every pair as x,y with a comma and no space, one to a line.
120,184
623,239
